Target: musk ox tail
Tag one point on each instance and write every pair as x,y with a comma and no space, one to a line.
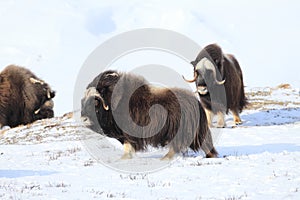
203,139
243,100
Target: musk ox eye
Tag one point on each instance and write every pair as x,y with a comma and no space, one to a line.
102,91
97,102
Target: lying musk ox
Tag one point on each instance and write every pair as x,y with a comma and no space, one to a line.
23,97
126,107
215,71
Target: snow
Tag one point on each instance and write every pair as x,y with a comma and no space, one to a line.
59,158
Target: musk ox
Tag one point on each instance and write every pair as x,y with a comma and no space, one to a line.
219,82
24,98
126,107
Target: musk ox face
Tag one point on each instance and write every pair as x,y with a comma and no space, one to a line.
208,69
96,104
122,106
44,92
208,76
44,95
92,111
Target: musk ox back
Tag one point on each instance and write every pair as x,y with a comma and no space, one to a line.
215,72
22,97
128,108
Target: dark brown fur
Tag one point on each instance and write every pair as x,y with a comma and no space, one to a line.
231,72
19,97
180,130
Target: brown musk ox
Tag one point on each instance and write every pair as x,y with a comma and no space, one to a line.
219,82
126,107
24,98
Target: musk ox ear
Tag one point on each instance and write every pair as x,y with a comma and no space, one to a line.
34,81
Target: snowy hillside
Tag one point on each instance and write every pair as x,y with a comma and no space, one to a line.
50,159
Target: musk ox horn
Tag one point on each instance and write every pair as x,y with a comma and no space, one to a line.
112,74
37,111
34,81
48,94
93,92
193,80
206,64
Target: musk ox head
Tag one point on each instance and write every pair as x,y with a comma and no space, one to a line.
208,69
43,90
96,104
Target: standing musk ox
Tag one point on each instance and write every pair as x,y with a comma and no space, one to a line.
219,83
23,97
126,107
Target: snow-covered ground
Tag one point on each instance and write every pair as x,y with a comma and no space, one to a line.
260,159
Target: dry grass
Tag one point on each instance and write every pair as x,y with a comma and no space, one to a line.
284,86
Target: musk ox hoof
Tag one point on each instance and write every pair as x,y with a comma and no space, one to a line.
221,125
169,155
238,122
126,156
212,154
166,158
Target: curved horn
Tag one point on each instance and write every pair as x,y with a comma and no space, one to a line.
113,74
33,80
93,92
37,111
48,94
205,63
193,80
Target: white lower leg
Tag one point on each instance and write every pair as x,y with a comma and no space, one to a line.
236,118
169,155
209,116
128,151
221,120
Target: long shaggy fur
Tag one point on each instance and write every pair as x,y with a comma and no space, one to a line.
180,130
20,98
231,72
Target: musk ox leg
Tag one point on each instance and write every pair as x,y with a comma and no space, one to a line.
208,147
169,155
128,151
221,120
236,118
209,116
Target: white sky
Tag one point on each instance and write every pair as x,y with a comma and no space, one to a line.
53,38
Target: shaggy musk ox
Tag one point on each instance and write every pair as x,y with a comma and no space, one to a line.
219,83
126,107
23,97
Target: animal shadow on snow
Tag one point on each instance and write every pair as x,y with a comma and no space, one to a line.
257,149
271,117
22,173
